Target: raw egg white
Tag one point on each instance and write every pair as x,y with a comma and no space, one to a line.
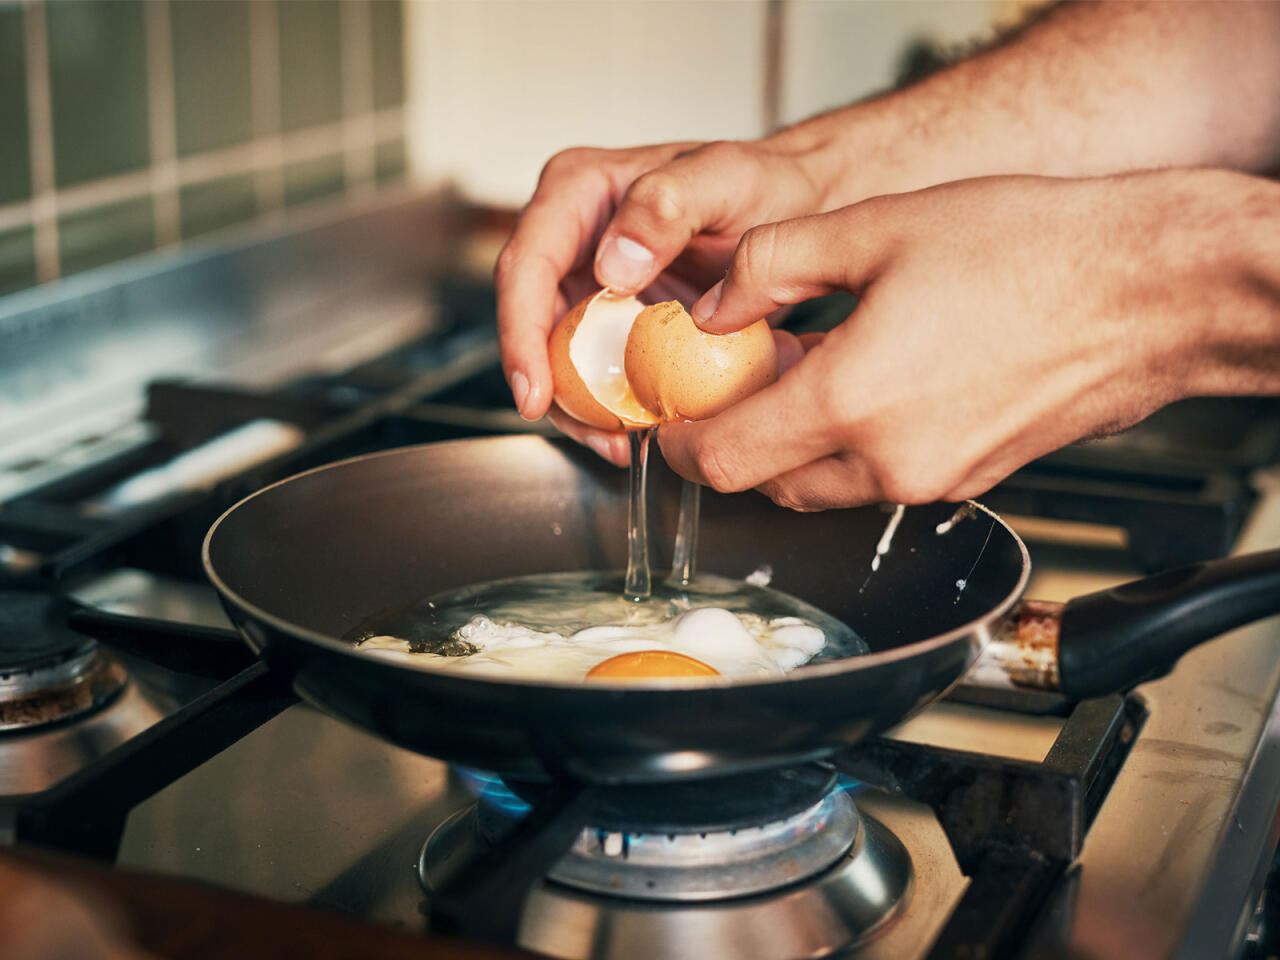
703,641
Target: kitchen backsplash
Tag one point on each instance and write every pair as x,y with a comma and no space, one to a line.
128,125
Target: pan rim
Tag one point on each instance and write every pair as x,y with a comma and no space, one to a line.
971,629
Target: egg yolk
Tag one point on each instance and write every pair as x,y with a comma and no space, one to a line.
647,664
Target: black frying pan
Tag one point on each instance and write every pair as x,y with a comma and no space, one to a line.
301,562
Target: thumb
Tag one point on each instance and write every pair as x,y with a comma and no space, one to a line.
792,261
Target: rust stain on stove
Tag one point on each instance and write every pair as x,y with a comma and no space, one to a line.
1189,752
1028,645
1220,728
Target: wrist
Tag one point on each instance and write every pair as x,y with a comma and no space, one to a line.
897,142
853,153
1224,258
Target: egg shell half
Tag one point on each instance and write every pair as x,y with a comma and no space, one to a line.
684,373
572,392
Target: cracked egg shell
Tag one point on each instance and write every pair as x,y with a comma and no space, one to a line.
683,373
587,353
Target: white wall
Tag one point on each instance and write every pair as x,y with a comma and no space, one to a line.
498,86
835,53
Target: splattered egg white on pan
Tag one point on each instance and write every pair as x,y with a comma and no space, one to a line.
704,641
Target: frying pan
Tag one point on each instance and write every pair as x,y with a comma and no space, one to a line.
301,562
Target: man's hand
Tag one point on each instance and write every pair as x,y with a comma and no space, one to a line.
662,221
999,319
1087,89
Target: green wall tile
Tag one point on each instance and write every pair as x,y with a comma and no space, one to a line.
312,179
211,73
105,234
15,145
388,53
389,161
215,204
310,73
98,78
17,259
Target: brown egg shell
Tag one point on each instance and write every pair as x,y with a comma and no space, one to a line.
571,393
684,373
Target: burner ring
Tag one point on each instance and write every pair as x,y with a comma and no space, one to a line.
45,673
61,691
712,866
48,672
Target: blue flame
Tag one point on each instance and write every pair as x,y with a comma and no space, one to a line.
846,784
490,790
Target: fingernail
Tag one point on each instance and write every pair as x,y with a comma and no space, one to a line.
520,390
705,308
624,264
601,446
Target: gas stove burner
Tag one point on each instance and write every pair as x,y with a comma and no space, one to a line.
807,883
48,672
711,866
710,805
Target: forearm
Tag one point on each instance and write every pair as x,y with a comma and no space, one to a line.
1087,89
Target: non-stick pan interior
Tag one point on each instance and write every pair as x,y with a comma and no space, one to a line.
326,550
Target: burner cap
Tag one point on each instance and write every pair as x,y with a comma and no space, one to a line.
710,805
34,634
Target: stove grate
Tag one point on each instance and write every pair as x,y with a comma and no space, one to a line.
1014,826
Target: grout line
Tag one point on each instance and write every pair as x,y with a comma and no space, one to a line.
310,143
356,136
771,92
43,206
52,204
356,64
15,215
162,122
264,94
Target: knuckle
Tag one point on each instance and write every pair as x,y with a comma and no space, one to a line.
720,475
786,497
562,162
659,195
753,260
912,485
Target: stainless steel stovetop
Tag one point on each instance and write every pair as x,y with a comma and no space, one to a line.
306,809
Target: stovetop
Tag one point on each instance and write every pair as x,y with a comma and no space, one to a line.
1135,827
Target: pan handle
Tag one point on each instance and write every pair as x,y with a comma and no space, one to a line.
1115,639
